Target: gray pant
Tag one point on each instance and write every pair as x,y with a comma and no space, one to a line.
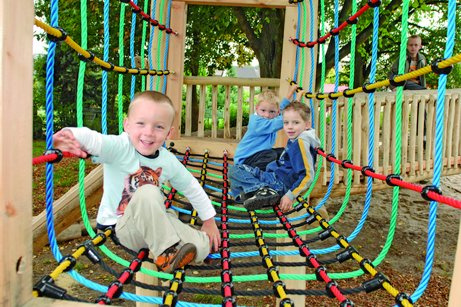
147,223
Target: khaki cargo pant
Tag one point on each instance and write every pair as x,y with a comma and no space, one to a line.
147,223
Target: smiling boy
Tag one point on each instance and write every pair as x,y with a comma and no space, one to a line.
135,165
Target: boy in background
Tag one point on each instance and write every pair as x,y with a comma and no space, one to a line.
255,148
287,177
414,61
135,166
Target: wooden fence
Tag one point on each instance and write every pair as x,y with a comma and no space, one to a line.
417,119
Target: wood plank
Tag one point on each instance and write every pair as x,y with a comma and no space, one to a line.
214,111
386,139
357,140
16,72
243,3
377,123
421,134
335,152
176,62
429,131
201,111
457,128
188,119
450,127
405,123
238,130
251,109
227,133
413,126
197,80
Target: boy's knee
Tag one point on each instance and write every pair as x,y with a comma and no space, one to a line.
148,194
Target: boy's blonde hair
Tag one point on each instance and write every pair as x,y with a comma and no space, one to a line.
153,96
268,96
302,109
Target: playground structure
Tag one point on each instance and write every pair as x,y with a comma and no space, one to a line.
16,277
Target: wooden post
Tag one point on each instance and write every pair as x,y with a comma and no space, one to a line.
16,27
176,62
148,279
455,296
289,52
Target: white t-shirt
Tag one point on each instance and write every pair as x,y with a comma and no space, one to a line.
125,168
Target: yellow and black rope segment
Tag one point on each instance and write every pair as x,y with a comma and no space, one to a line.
170,297
379,279
57,34
173,191
439,66
278,285
46,287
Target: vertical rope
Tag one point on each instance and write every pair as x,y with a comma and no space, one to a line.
121,55
151,38
132,56
159,42
104,73
166,49
438,158
143,43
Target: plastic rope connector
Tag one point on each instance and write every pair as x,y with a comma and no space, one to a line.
367,168
90,251
318,96
329,157
86,59
317,272
346,254
368,91
103,239
363,263
103,299
56,152
72,261
345,94
375,283
430,188
110,68
311,219
330,95
286,302
352,21
374,4
347,303
46,287
173,294
324,234
229,301
309,260
276,286
58,39
440,71
392,176
401,297
343,163
116,284
328,286
395,83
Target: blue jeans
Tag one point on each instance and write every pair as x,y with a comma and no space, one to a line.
247,179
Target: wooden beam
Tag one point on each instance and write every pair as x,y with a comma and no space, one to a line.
66,210
16,30
176,62
244,3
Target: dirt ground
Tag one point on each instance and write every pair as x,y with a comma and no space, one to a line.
403,264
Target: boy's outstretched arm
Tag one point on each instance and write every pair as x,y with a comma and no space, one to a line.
211,229
291,90
65,140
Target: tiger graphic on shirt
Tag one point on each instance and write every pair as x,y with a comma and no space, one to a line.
144,175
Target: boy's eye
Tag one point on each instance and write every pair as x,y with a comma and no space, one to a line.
272,112
139,123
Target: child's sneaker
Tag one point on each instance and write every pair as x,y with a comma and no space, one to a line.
173,258
262,198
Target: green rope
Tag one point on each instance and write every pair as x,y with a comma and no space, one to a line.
159,43
121,54
302,36
143,42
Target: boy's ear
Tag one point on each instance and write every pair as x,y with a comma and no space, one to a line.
125,124
169,132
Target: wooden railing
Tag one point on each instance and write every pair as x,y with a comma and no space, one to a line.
220,117
417,137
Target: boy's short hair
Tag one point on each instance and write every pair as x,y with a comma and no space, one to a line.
268,96
303,109
154,96
415,36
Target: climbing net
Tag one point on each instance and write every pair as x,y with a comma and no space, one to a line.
262,233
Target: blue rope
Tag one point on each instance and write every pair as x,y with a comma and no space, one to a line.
133,64
371,125
104,73
167,44
438,159
49,133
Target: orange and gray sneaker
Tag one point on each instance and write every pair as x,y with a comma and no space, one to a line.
173,257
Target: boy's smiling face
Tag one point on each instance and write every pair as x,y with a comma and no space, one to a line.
148,124
294,124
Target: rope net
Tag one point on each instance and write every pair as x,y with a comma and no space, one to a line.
250,239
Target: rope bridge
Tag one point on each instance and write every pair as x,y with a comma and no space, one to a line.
259,233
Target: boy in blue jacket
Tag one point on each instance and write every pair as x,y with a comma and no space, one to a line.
255,148
287,177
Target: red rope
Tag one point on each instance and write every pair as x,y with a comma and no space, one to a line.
153,22
394,181
51,158
352,19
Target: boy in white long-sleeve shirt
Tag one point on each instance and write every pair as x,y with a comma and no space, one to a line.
135,165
